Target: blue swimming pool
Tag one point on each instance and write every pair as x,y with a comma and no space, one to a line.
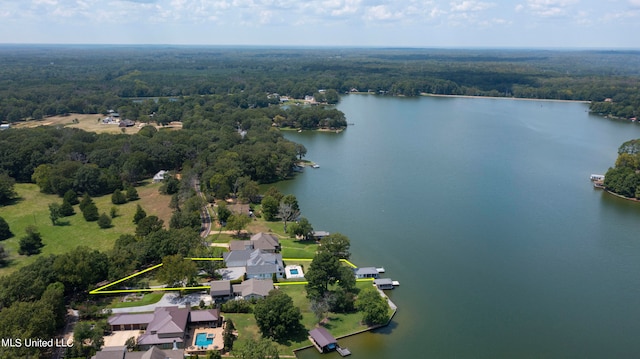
293,271
202,340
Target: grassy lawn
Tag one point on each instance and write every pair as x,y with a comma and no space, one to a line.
32,209
148,298
337,324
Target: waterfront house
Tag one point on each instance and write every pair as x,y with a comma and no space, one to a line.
253,288
258,263
323,340
383,283
266,241
366,272
318,235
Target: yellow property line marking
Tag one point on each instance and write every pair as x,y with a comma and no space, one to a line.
101,290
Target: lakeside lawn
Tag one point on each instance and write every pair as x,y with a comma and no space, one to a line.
337,324
32,209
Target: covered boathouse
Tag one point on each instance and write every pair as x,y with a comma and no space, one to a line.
323,340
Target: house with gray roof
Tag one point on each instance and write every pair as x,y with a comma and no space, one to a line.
221,290
258,263
209,318
166,326
253,288
366,272
152,353
266,241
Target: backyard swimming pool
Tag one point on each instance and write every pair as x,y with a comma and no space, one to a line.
202,340
294,271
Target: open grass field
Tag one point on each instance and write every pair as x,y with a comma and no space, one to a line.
87,122
32,209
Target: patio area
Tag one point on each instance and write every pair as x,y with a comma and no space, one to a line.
119,338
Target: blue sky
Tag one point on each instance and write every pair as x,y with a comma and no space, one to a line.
412,23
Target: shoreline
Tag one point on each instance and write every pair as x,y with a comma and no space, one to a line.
426,94
503,98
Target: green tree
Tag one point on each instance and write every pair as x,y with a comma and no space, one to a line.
104,221
253,349
374,307
54,213
302,228
139,215
248,190
170,185
66,209
90,212
132,194
227,335
269,208
336,244
80,268
71,197
4,256
277,317
275,193
131,343
301,151
323,271
31,243
5,231
148,225
7,189
86,200
237,222
177,271
118,197
223,213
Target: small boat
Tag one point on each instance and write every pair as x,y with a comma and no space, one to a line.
315,165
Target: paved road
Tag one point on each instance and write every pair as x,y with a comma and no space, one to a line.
168,300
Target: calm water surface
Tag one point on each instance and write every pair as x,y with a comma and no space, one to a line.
483,210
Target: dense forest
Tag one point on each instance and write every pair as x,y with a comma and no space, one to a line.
39,81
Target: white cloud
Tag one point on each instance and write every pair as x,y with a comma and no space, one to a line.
470,5
550,8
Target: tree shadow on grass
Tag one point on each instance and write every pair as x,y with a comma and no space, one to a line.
63,223
331,322
12,201
299,335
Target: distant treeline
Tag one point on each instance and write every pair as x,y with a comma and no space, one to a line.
38,81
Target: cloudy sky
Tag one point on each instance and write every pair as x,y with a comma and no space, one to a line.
415,23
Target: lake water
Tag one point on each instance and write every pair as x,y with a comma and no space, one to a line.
483,210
